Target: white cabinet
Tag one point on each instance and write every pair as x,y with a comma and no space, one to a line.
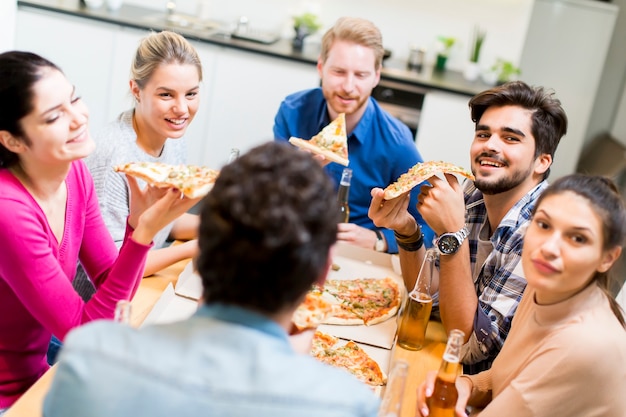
240,92
82,49
445,130
247,91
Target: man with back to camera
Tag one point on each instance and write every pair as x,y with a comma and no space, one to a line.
380,147
481,224
266,233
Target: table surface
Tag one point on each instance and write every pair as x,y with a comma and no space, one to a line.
151,288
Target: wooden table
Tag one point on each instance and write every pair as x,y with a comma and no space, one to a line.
148,293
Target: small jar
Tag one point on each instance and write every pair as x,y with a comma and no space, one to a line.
416,59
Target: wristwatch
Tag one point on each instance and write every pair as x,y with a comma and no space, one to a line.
379,246
449,243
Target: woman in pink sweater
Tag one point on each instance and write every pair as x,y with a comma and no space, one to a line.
49,220
566,352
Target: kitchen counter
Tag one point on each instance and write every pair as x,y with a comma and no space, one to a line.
138,17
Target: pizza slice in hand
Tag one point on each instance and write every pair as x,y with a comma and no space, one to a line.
419,173
331,142
192,180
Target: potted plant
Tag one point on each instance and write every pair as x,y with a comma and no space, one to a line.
305,24
472,69
442,56
506,71
501,72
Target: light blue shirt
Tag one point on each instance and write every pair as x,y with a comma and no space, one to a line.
380,149
223,361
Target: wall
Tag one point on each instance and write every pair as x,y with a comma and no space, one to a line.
606,107
402,22
7,24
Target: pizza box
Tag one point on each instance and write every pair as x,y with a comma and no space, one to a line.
355,262
189,283
170,308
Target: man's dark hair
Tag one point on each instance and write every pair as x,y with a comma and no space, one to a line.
266,229
548,121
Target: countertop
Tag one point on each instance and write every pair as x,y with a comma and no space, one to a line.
136,17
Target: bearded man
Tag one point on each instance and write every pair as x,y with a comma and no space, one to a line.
481,225
380,147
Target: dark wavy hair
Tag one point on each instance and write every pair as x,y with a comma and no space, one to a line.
548,121
604,197
266,229
19,71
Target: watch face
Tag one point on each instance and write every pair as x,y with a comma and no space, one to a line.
448,244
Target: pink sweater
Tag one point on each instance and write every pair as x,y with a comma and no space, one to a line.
565,359
36,273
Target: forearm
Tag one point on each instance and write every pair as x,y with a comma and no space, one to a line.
457,296
185,227
159,259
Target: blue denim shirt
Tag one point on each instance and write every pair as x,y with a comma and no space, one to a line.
223,361
380,149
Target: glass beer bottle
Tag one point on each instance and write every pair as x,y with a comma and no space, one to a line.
443,400
419,303
342,195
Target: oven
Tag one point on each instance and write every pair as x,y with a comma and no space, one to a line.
401,100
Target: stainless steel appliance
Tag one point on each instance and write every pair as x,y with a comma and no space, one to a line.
403,101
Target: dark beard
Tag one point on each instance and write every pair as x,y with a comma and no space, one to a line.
503,185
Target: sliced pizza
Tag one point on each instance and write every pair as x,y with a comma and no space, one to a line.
331,142
419,173
363,301
313,310
349,356
192,180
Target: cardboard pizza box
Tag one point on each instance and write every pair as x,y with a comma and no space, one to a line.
170,308
355,262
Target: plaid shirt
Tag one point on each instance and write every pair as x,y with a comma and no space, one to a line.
500,282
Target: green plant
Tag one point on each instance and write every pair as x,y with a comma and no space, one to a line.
477,43
308,22
505,70
448,43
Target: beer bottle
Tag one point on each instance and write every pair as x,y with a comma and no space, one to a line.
342,195
234,154
443,400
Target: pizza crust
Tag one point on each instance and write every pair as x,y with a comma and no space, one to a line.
356,321
307,145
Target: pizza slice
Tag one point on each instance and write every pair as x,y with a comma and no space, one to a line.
363,301
192,180
349,356
312,311
419,173
331,142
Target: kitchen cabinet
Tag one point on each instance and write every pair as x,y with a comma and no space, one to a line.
247,91
240,92
445,130
83,50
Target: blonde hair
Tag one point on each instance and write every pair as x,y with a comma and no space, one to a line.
356,30
162,48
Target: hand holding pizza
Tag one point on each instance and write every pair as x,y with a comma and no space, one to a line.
152,208
442,204
392,214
